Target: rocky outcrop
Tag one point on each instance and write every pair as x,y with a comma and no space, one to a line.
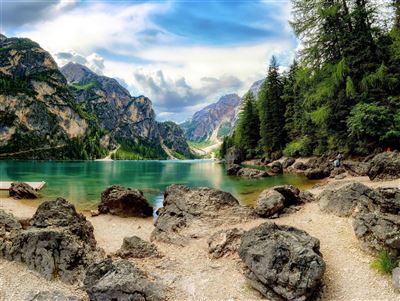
385,166
288,162
282,262
233,169
234,156
120,280
396,277
356,168
279,198
317,173
173,137
19,190
251,173
192,212
135,247
217,117
54,295
390,203
224,242
318,168
58,244
276,167
123,201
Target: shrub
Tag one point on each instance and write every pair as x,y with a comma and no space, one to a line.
384,263
300,147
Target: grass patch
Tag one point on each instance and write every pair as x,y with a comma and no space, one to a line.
384,263
201,144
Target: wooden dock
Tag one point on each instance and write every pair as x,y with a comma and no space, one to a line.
5,185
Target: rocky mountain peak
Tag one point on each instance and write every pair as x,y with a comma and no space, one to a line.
2,37
77,73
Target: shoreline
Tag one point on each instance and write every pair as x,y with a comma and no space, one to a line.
190,273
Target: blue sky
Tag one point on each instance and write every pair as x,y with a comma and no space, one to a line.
182,54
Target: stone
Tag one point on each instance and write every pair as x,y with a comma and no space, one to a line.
299,166
396,277
233,169
135,247
317,173
20,190
385,166
290,193
234,156
224,242
378,231
54,296
189,212
269,203
288,162
306,197
124,202
337,171
252,173
356,168
282,262
391,199
94,213
276,167
120,280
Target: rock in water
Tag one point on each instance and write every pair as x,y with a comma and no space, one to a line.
59,244
120,280
269,202
233,169
378,231
20,190
276,167
193,212
234,156
283,263
288,162
252,173
136,247
385,166
224,242
123,201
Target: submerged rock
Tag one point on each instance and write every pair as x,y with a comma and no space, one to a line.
136,247
123,201
120,280
224,242
193,212
252,173
385,166
283,263
20,190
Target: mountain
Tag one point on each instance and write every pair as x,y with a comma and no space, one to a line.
213,121
128,121
256,86
74,113
38,116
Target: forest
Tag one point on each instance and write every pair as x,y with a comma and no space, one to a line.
340,94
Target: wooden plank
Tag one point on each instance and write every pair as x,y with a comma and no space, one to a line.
5,185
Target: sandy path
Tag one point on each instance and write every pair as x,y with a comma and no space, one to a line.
190,274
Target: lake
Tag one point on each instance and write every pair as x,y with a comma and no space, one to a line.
81,182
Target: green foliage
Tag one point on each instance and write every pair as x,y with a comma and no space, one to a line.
87,86
138,149
301,147
384,263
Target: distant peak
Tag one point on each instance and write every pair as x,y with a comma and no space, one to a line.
2,37
76,73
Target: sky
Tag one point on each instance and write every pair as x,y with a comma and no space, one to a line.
182,54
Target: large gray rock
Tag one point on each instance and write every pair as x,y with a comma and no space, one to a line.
199,208
59,244
20,190
251,173
390,203
385,166
283,263
317,173
356,168
224,242
125,202
343,201
396,277
269,203
120,281
135,247
378,231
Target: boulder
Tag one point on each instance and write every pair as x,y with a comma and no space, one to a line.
306,197
288,162
343,201
124,202
120,280
317,173
356,168
378,231
252,173
233,169
276,167
385,166
299,166
59,243
135,247
224,242
54,296
337,171
290,193
283,263
390,202
269,203
20,190
8,223
234,156
396,277
193,212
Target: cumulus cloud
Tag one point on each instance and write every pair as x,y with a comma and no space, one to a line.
93,61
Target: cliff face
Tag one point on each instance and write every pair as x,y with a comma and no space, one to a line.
214,121
124,117
37,114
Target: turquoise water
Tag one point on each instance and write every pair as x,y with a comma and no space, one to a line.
81,182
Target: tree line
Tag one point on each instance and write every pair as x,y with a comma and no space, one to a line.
342,92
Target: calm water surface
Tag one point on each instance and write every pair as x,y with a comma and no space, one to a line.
81,182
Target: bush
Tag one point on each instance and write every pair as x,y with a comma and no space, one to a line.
300,147
384,263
